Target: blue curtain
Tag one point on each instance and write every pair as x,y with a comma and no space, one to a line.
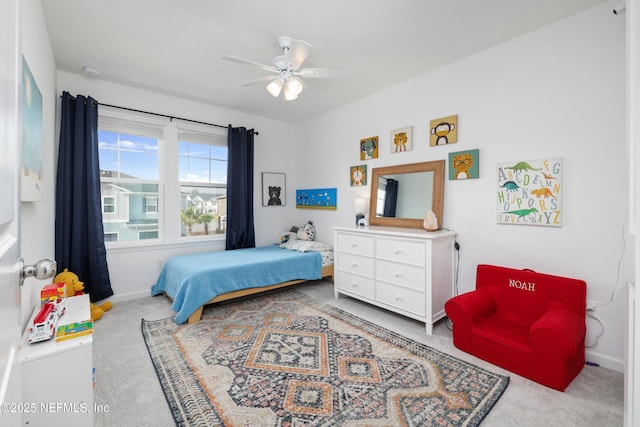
390,198
79,235
240,232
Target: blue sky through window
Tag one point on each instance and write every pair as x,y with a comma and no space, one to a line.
131,156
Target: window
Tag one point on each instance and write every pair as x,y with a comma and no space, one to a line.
161,180
129,179
110,237
108,205
202,173
150,205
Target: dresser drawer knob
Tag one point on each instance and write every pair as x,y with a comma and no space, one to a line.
354,285
354,265
398,252
398,275
398,298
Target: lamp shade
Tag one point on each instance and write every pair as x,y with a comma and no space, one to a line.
360,205
274,87
292,88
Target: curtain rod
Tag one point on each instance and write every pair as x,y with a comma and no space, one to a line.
164,115
168,116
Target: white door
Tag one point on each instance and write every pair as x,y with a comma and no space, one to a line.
10,330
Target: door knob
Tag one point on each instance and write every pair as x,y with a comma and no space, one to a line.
43,269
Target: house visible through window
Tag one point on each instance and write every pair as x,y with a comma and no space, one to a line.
203,183
129,180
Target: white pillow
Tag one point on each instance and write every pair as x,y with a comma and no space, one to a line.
305,246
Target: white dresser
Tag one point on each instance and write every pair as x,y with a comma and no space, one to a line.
408,271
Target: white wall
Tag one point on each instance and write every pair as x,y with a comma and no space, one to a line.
37,227
558,91
134,270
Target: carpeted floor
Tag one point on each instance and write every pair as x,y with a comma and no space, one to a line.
129,393
283,358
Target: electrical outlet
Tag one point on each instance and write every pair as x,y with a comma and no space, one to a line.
591,306
160,264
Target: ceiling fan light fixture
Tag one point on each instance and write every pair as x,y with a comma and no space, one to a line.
274,87
289,95
292,88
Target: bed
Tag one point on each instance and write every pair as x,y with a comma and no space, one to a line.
193,281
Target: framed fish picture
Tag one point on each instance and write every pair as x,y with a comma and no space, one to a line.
529,192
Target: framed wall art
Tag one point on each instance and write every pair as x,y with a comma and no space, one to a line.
464,165
369,148
402,139
274,189
31,137
358,175
529,192
317,198
443,131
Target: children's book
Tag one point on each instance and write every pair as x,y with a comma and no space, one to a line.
73,330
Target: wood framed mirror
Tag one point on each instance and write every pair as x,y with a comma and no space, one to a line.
401,195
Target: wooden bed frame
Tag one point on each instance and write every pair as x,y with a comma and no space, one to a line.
327,271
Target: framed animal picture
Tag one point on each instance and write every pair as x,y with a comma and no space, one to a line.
369,148
529,192
464,165
402,139
358,175
443,131
273,189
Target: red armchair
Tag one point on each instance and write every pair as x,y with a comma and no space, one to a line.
529,323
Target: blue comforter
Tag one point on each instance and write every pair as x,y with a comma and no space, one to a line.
193,280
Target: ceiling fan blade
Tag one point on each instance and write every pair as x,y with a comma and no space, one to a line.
258,81
247,62
314,73
298,53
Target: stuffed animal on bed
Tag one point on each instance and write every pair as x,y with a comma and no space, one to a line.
306,232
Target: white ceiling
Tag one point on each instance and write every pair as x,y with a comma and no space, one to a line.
175,46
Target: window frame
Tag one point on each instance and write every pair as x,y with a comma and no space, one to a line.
167,131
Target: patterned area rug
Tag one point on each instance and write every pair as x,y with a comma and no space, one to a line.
284,359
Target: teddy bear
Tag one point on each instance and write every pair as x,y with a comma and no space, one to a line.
76,287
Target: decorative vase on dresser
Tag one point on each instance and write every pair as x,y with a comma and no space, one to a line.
405,270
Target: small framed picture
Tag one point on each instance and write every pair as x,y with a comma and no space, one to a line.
273,189
464,165
443,131
369,148
358,175
402,139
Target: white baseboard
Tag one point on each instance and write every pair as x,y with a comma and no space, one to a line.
129,296
605,361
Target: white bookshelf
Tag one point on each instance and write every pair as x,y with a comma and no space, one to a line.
57,377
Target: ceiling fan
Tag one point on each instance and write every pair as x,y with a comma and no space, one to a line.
286,69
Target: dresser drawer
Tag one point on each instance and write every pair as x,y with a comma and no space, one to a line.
401,274
356,264
401,251
359,285
402,298
351,243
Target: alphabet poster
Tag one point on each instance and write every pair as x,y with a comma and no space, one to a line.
529,192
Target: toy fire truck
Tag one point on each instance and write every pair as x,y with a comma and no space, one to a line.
46,321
